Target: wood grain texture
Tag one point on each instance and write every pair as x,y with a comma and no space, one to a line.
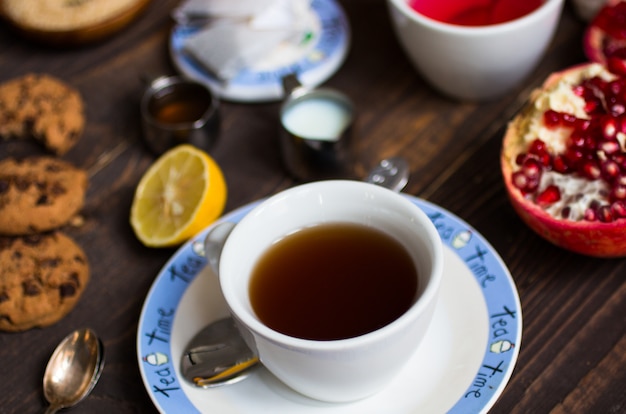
573,351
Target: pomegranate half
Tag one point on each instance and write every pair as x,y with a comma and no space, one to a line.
564,160
604,40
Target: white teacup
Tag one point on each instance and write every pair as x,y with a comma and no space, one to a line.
330,370
475,63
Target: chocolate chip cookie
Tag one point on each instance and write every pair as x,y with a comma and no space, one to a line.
43,107
39,194
41,279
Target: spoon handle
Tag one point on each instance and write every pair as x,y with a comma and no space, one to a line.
52,408
392,173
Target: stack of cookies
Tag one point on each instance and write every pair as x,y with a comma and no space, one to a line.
43,272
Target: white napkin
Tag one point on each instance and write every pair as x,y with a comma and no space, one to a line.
232,9
239,33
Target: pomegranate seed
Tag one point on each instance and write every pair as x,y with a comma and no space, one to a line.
597,84
615,87
592,106
618,193
590,214
524,183
591,157
617,109
532,168
594,205
551,118
545,160
550,195
610,170
604,214
578,90
565,212
582,124
559,165
573,157
618,208
519,180
591,170
590,143
519,160
533,184
622,121
616,65
620,159
575,140
609,127
568,119
537,147
609,147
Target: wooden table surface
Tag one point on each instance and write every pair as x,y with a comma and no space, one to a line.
573,352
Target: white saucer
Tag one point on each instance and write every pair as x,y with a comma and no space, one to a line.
313,61
462,366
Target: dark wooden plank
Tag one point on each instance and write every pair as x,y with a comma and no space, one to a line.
573,349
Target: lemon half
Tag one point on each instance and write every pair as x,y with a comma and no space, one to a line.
179,195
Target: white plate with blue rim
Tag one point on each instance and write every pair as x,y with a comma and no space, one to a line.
313,59
462,365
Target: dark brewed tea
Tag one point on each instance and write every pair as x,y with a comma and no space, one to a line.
333,281
180,104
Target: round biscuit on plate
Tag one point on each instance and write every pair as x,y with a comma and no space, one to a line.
70,22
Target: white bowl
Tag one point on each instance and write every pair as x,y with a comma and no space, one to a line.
475,62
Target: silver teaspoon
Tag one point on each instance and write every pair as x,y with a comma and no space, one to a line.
73,369
217,354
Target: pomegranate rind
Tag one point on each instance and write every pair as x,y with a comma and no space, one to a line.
591,238
594,37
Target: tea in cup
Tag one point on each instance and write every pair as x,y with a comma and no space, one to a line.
465,53
333,284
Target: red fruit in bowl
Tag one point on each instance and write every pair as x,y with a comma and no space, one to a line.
564,161
605,38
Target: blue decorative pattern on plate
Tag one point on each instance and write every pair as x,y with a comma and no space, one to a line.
462,366
313,60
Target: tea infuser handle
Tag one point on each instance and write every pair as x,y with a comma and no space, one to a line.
291,84
391,173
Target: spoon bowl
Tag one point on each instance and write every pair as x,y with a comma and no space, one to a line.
73,369
217,355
